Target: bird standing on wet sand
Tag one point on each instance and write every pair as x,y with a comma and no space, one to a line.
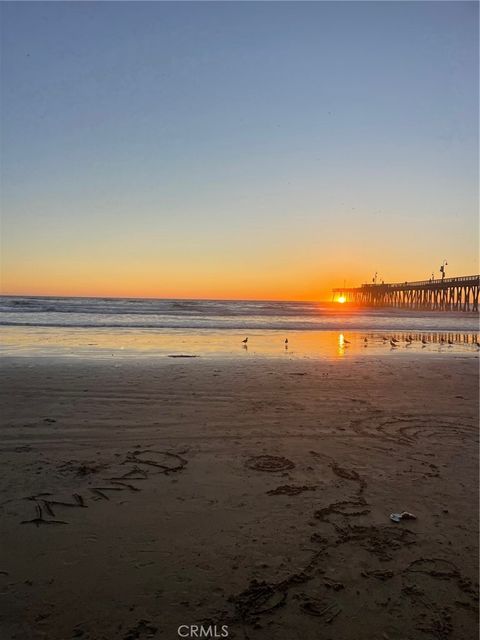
394,340
346,341
245,341
365,340
424,340
393,343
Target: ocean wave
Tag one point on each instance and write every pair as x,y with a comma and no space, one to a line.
111,306
153,314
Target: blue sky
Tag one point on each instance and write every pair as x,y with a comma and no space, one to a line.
217,149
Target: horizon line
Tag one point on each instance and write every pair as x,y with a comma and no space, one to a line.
127,297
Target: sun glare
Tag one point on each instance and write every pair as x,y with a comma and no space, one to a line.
341,299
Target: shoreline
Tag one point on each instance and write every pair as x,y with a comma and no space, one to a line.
227,343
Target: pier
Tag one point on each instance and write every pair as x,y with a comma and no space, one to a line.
446,294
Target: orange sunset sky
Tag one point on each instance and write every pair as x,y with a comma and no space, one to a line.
236,150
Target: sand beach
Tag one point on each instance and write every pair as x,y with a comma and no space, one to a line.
139,495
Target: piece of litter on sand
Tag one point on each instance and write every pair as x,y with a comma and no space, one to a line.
405,515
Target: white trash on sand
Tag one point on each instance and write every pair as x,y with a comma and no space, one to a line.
405,515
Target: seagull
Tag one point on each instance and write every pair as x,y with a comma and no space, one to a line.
442,339
477,343
346,341
245,341
450,342
365,340
393,343
409,340
424,340
394,340
384,338
286,340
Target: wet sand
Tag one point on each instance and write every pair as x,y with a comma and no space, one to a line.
140,495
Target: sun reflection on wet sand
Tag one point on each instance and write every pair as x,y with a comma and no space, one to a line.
341,345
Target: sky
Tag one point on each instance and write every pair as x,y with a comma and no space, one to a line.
236,150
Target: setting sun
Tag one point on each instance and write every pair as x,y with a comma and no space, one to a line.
341,299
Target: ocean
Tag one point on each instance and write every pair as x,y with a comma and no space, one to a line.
94,326
131,313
